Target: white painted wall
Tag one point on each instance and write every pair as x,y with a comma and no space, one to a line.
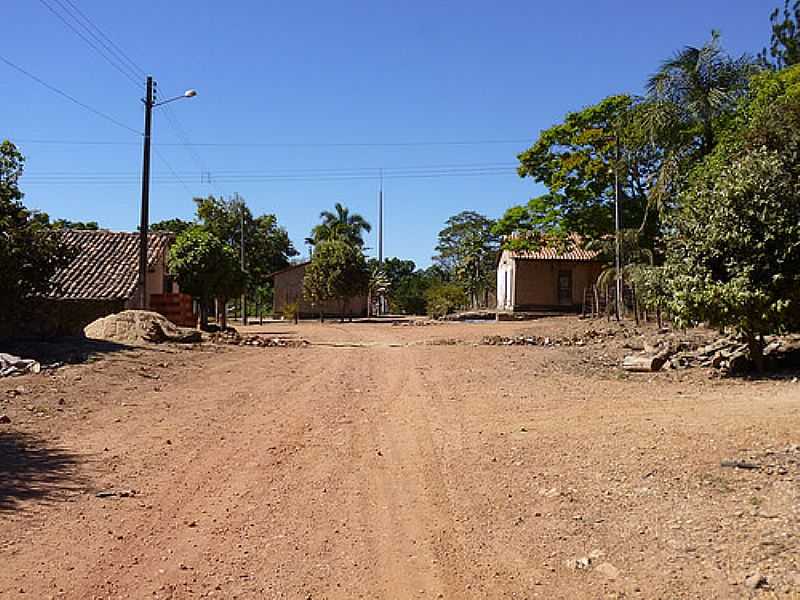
505,282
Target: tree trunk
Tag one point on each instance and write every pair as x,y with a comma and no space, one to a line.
222,313
643,364
203,314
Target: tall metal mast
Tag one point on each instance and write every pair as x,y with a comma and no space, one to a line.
380,219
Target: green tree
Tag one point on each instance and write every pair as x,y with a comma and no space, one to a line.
341,226
467,249
540,216
30,252
576,161
176,226
409,296
206,268
267,246
338,271
66,224
396,271
734,249
652,289
784,48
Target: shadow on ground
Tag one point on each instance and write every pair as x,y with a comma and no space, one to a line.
63,350
31,469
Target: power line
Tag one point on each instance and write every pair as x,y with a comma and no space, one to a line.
68,97
180,133
135,68
169,166
109,58
285,144
305,170
175,178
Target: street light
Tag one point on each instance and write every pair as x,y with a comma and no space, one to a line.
149,104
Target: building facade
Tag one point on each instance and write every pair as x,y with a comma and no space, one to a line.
545,280
288,289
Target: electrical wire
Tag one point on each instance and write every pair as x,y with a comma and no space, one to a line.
180,133
169,166
175,178
54,89
305,171
285,144
119,52
106,56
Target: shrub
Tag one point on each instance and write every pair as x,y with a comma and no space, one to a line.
291,310
445,299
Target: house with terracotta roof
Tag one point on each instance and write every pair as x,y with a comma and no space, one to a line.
546,279
102,279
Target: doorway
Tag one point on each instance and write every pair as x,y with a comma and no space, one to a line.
565,288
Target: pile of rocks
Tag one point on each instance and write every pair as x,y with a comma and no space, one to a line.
267,342
232,337
415,323
728,355
578,339
228,335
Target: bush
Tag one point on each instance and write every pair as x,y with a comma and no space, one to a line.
291,310
445,299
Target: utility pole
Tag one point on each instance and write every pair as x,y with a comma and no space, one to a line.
244,293
380,238
617,258
145,210
149,103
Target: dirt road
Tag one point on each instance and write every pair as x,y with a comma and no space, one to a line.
372,464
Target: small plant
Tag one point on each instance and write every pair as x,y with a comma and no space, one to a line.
445,299
291,311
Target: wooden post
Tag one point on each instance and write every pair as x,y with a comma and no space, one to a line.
583,307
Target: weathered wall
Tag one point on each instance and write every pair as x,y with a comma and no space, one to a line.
289,288
536,282
58,318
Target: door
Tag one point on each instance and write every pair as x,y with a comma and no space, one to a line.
565,288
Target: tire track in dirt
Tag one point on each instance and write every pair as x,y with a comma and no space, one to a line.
418,554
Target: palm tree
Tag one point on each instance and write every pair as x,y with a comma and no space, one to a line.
698,85
634,258
378,286
685,99
340,225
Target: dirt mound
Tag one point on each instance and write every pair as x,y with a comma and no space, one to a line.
137,326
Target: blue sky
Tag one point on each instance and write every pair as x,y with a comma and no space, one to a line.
333,89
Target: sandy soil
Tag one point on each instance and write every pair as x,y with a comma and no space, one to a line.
390,462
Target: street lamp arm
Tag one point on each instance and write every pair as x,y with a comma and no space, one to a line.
186,94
